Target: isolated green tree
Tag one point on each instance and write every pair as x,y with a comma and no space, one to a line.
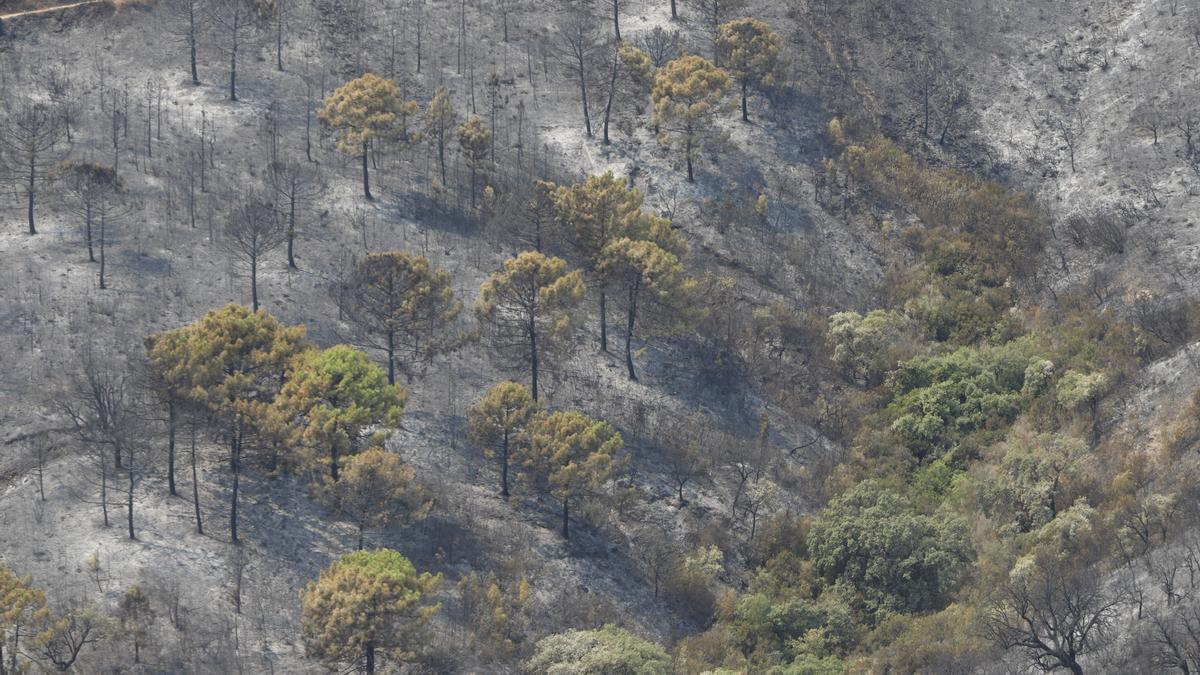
22,613
366,604
499,421
376,488
527,308
337,399
440,119
362,110
136,616
599,210
571,455
232,363
474,141
750,50
644,276
687,98
405,307
93,187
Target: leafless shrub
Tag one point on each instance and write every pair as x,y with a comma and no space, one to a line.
1172,323
1106,229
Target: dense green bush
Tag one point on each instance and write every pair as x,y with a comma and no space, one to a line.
938,400
875,547
869,346
605,651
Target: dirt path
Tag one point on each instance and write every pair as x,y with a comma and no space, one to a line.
49,9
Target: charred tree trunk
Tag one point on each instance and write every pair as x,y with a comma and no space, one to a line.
391,356
603,322
504,466
196,485
366,175
87,231
291,232
533,354
30,189
129,497
235,462
612,88
630,318
171,448
253,282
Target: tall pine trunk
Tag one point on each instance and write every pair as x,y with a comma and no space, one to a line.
235,462
533,353
237,18
612,87
129,498
291,233
504,466
104,491
631,317
192,43
366,175
279,35
87,231
603,321
103,284
253,282
441,147
587,118
171,448
196,484
30,189
391,356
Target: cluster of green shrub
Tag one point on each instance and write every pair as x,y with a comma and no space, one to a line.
976,466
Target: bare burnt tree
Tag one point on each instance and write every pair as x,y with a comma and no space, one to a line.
187,20
614,72
660,44
102,411
92,187
77,625
925,77
296,185
279,14
615,7
1185,119
505,9
41,447
576,48
63,93
238,24
1068,123
29,135
254,229
713,13
114,107
1149,119
688,458
658,553
98,196
746,462
1055,613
